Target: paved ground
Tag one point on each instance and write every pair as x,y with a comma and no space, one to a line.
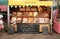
30,36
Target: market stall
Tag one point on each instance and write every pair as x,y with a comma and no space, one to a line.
30,16
3,14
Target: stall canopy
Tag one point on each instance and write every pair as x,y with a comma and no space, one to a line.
3,2
30,2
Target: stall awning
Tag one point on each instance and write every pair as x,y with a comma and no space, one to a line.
30,2
3,2
3,8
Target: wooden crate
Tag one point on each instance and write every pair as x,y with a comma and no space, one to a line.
43,25
40,9
22,9
34,9
30,20
15,27
27,8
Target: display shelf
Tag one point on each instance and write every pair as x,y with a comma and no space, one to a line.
34,15
30,19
